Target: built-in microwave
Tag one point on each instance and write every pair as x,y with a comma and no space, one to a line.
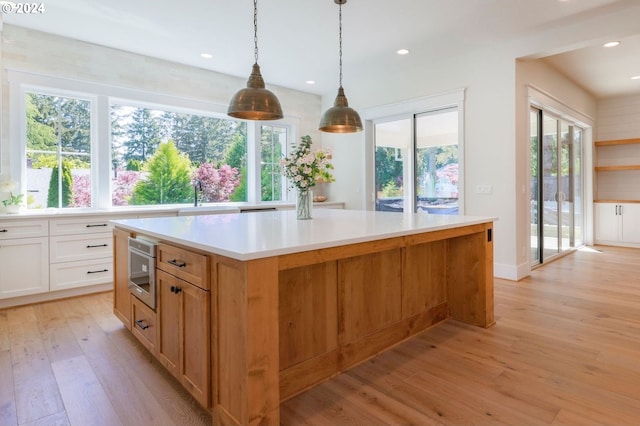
142,270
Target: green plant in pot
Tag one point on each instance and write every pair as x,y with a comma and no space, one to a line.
13,203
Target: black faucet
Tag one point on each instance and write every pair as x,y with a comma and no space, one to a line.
197,186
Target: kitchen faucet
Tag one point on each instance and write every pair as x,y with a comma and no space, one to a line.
197,186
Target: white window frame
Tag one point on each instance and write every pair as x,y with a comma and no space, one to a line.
101,97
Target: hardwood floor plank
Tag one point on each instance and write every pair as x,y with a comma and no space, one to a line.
84,398
36,390
4,332
58,419
137,386
8,415
57,337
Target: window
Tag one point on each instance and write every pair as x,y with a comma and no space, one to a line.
58,151
162,157
273,142
88,145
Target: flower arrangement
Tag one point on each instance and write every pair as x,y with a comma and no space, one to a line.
305,168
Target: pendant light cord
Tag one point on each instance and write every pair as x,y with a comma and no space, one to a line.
340,42
255,30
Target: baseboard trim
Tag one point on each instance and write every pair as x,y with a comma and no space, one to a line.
54,295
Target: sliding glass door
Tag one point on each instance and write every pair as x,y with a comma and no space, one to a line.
417,163
556,185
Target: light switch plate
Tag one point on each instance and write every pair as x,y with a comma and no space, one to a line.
484,189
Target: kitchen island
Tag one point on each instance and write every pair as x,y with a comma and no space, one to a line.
294,302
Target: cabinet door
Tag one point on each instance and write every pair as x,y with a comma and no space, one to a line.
121,295
607,222
24,266
630,222
169,319
196,322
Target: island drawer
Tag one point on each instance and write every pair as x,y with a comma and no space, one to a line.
144,323
188,265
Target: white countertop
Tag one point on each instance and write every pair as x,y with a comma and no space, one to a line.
247,236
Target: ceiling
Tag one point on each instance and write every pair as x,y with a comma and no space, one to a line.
298,40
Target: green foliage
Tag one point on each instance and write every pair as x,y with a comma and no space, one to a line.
41,134
66,181
388,168
134,165
391,190
169,178
143,135
236,156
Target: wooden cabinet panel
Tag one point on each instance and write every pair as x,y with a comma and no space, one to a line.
184,329
308,305
195,331
169,322
470,278
121,295
308,326
369,294
425,277
188,265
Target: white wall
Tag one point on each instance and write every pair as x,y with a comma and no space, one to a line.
496,131
618,118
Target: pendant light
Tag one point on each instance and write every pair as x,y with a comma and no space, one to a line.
340,118
255,102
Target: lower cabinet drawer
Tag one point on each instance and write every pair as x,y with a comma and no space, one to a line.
68,248
80,274
143,325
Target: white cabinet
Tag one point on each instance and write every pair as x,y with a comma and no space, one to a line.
81,252
24,258
617,223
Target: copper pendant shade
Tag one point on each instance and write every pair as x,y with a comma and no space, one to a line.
340,118
255,102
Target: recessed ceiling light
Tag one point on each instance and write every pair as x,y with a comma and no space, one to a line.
206,55
611,44
403,52
310,82
635,77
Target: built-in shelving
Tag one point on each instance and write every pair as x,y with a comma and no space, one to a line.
617,171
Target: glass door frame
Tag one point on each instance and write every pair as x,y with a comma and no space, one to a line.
560,123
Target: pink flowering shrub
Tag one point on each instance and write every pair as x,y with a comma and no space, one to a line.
217,184
123,187
81,190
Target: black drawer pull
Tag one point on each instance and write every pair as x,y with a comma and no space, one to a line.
97,272
176,262
4,230
95,226
175,289
97,245
142,325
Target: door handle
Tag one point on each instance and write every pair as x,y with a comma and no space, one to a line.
616,210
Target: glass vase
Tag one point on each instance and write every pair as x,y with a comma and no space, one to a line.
304,204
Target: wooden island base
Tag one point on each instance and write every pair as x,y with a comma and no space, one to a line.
284,323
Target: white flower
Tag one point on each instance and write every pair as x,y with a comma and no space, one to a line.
8,185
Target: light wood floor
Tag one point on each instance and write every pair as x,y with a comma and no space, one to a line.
565,351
